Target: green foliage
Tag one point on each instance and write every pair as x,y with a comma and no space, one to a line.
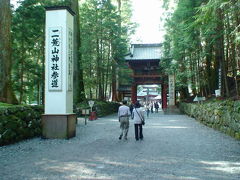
102,108
106,108
104,34
181,42
28,35
202,38
5,104
19,122
104,40
28,50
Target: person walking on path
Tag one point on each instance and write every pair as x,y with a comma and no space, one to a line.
138,119
156,106
131,107
151,107
123,117
148,109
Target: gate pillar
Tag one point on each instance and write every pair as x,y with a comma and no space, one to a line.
164,96
134,93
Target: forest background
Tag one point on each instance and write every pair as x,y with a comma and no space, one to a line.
201,47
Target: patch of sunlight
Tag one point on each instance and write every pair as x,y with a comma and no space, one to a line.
76,169
114,163
114,120
173,120
91,176
157,124
160,161
170,176
44,160
175,127
224,166
100,123
168,127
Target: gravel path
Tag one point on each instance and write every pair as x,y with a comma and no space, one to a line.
174,147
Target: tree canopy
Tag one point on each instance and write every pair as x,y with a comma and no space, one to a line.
203,40
102,29
202,47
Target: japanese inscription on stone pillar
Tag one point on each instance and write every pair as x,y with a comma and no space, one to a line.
55,59
171,90
70,60
220,81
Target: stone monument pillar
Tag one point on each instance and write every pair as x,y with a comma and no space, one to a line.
171,90
58,120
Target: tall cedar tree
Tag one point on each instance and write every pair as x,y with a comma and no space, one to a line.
6,92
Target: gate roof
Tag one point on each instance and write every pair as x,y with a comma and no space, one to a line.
144,52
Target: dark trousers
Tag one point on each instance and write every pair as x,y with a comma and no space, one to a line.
138,131
151,110
148,112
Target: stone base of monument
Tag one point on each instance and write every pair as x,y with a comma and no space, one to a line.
62,126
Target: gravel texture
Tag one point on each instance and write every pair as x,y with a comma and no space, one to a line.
174,147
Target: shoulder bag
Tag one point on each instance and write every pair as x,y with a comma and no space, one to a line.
142,119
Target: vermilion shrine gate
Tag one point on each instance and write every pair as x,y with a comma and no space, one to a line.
144,61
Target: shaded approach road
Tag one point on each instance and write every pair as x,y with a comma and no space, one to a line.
174,147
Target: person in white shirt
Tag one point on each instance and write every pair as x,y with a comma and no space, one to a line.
123,117
138,119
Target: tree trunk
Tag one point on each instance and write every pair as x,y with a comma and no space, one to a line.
98,69
193,79
101,70
6,91
220,49
21,79
236,14
21,66
184,93
107,73
210,78
78,85
114,89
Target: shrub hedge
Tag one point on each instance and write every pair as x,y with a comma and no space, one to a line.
102,108
220,115
18,122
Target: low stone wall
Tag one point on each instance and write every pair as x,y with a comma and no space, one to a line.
220,115
19,122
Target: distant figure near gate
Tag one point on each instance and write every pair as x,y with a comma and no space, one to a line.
156,106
